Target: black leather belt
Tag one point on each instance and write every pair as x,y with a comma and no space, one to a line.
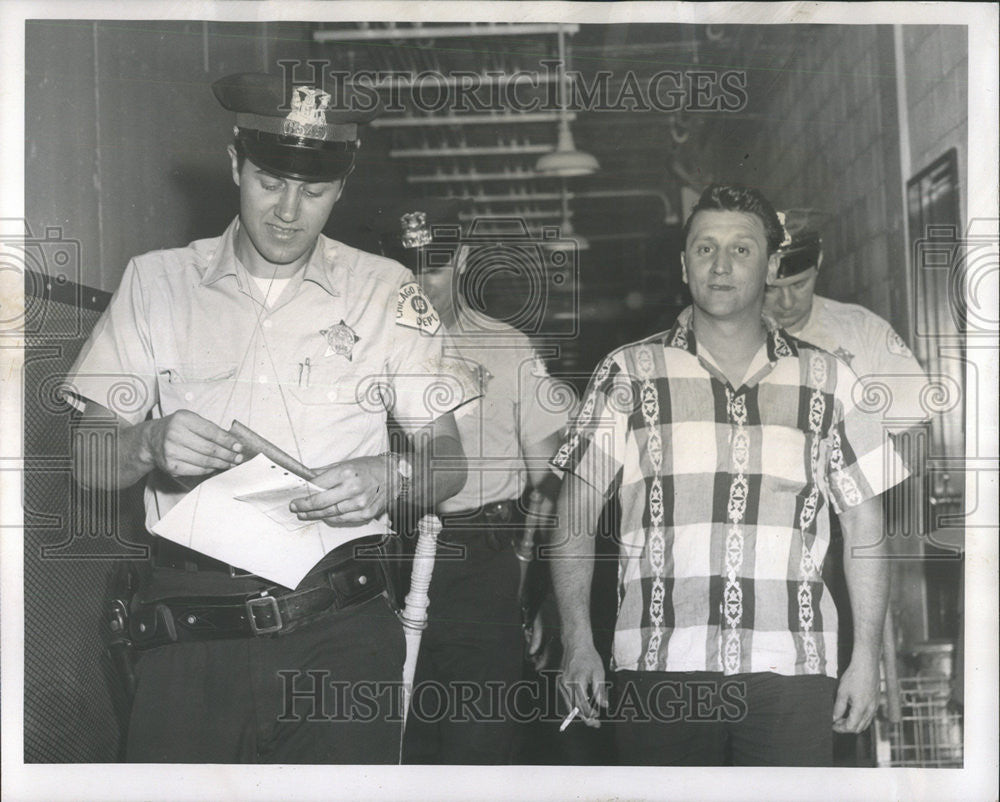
167,554
495,513
496,524
268,612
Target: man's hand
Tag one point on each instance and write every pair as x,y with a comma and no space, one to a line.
186,444
857,696
582,682
355,491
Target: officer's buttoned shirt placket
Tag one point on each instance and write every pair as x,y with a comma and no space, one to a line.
268,366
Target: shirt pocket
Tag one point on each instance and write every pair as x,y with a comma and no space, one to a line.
338,407
203,387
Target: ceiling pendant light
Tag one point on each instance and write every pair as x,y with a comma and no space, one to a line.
565,161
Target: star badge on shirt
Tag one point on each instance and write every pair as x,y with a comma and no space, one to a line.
483,377
340,339
844,355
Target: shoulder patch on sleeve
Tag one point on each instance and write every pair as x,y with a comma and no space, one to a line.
896,345
414,310
538,368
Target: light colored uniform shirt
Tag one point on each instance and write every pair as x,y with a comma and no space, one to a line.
894,380
350,338
723,494
520,404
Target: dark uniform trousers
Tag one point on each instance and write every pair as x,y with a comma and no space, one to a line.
326,692
471,652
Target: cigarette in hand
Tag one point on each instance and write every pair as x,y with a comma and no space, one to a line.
566,721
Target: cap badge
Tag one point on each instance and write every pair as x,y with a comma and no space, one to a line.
308,115
416,233
786,237
340,339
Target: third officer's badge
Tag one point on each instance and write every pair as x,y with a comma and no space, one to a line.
340,339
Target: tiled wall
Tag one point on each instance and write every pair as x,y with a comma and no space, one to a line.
125,143
937,93
827,136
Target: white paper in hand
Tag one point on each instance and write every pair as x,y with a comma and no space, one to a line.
241,517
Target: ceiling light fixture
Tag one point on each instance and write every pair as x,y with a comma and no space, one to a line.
565,161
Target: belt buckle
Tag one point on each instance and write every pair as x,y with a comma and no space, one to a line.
497,512
272,604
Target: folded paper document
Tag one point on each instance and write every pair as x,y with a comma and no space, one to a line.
241,517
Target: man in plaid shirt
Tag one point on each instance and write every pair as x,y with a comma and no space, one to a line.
725,438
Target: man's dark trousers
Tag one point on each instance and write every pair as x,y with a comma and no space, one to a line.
702,718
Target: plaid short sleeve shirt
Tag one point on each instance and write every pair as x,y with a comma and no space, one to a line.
723,493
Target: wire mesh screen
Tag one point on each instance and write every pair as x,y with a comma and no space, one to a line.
929,732
74,708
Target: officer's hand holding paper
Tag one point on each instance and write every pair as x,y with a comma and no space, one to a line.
232,517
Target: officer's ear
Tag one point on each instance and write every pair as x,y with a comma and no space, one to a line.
684,269
340,189
773,263
234,163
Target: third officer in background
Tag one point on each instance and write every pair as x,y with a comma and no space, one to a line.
473,646
866,342
875,352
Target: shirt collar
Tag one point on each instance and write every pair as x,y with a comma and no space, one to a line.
318,269
778,342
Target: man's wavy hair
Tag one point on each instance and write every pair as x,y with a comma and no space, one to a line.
737,198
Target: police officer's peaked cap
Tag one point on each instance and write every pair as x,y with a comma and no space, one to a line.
806,242
301,132
407,227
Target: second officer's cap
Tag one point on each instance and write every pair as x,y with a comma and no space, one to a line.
300,132
803,243
420,233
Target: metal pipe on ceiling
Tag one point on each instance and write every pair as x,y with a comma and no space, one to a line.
451,178
483,80
420,153
668,212
525,214
468,119
442,32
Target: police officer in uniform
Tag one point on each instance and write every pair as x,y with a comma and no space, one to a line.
472,648
873,350
866,342
311,344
